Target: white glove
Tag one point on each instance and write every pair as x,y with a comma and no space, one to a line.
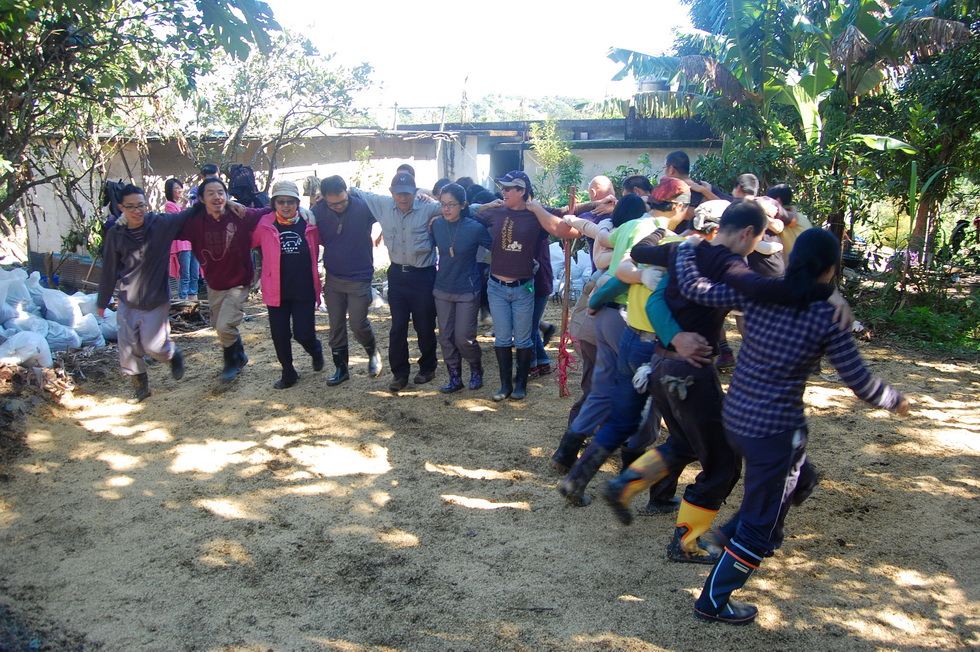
307,216
652,276
641,377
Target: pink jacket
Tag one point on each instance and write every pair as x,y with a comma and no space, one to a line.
266,236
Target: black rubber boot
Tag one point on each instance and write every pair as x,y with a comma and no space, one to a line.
573,486
288,379
524,359
568,449
235,359
316,354
728,575
505,361
141,387
177,365
374,359
341,357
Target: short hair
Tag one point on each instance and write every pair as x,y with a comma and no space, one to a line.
168,188
782,192
742,214
466,182
483,197
209,170
405,167
333,185
438,186
130,189
628,208
748,183
637,181
679,161
473,191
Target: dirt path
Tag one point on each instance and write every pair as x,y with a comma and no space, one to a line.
349,519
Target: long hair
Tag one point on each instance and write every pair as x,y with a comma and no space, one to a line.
168,188
815,251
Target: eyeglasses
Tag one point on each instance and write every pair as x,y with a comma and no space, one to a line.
451,204
338,204
287,202
133,207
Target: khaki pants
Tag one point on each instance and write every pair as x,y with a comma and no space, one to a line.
227,311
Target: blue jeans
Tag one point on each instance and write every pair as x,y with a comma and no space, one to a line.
625,419
540,355
609,325
190,271
512,310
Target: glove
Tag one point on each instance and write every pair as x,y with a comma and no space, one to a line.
652,276
641,377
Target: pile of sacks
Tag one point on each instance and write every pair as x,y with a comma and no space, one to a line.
581,270
38,320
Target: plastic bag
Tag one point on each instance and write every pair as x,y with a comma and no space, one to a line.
17,294
26,348
28,322
62,338
86,302
109,326
34,287
59,307
89,331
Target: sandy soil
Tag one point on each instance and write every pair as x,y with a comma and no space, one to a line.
316,518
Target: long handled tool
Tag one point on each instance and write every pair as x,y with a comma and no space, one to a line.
565,358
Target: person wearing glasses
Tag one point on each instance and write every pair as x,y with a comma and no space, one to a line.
344,223
136,256
457,289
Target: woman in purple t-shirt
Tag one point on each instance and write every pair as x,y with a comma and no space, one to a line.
517,224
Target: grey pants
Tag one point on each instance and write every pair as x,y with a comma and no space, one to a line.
227,310
344,298
457,326
143,332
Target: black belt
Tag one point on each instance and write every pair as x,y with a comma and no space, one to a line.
670,355
408,268
510,284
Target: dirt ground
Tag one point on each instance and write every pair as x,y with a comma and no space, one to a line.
347,519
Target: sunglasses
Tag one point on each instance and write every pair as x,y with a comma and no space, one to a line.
511,188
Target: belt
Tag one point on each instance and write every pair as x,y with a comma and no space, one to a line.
645,336
510,284
670,355
613,305
408,268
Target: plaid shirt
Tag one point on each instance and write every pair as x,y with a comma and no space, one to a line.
782,345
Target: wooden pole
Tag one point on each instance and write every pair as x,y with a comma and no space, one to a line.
564,356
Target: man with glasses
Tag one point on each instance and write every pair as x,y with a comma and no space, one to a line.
136,254
348,258
404,221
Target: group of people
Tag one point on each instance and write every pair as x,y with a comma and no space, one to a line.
670,262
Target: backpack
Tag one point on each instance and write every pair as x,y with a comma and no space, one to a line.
112,196
243,188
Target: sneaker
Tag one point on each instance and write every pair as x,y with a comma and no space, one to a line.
725,360
548,333
733,613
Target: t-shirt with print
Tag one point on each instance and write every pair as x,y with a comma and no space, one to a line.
516,238
295,277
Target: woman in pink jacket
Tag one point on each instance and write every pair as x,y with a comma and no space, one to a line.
291,284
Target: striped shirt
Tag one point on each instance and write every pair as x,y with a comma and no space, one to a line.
781,347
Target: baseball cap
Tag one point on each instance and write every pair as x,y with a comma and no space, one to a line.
285,189
403,182
670,189
514,179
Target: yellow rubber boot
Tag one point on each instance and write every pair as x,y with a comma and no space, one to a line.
692,522
642,474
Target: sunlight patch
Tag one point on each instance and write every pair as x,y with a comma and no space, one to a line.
480,503
223,552
119,461
330,459
211,457
631,598
460,472
225,508
398,539
119,481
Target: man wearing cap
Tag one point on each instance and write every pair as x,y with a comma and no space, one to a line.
404,221
345,225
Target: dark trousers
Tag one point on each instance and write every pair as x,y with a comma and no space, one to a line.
635,349
586,351
690,400
300,314
410,298
772,470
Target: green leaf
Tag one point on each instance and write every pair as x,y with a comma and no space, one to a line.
883,143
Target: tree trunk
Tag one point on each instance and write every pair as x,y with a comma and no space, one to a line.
917,239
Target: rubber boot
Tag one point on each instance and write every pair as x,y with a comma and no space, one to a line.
732,571
505,361
341,357
568,449
316,354
584,469
374,359
692,522
231,368
288,379
141,387
455,379
476,375
642,474
177,364
524,359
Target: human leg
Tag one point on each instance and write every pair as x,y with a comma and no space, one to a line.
279,326
524,329
398,302
423,307
358,303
